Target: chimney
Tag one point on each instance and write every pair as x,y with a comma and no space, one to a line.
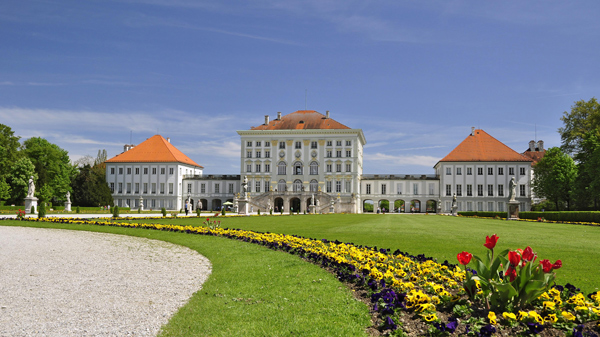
540,145
472,131
126,148
266,119
278,115
168,140
532,145
327,114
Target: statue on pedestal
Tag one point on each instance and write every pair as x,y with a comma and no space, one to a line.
512,188
68,196
31,188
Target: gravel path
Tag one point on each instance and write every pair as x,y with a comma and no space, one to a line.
57,282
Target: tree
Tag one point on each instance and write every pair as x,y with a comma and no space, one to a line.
90,188
554,177
53,167
587,185
9,152
18,179
583,118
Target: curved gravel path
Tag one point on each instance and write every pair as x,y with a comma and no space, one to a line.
56,282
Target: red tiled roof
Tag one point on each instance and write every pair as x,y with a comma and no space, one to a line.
480,146
535,156
155,149
302,120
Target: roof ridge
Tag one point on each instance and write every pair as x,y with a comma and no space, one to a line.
155,149
480,146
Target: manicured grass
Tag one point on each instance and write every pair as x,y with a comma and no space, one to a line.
253,291
442,237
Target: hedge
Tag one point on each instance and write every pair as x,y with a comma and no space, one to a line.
571,216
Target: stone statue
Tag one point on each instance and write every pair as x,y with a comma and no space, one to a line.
317,202
68,195
454,200
31,189
268,205
245,187
512,187
312,200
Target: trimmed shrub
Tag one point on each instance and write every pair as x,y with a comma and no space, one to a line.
258,211
116,212
164,212
198,211
271,211
41,211
222,210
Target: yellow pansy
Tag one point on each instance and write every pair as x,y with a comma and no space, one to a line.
492,317
509,316
568,316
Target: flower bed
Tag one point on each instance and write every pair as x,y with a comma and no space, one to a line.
415,294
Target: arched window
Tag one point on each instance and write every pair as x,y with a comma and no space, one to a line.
297,168
314,168
281,187
314,185
297,185
281,168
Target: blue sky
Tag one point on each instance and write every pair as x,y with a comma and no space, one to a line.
414,75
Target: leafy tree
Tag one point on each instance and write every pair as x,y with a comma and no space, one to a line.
583,118
53,167
588,181
90,188
554,177
9,153
18,179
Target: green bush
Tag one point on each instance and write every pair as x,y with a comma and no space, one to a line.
259,211
139,210
164,212
574,216
41,211
198,211
115,212
485,214
78,210
222,210
271,211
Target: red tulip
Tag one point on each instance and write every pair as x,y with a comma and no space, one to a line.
514,258
528,254
546,265
490,242
464,258
557,264
511,273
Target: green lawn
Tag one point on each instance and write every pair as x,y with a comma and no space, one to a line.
443,237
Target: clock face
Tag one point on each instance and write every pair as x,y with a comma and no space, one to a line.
281,154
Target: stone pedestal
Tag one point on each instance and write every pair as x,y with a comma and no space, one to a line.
454,213
312,209
513,210
67,206
31,201
243,207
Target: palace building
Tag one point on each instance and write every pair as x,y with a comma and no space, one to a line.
303,156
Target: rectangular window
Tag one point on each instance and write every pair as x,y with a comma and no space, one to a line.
137,188
458,171
459,190
480,206
189,188
328,186
145,188
298,145
338,153
153,188
162,188
328,153
230,188
171,170
267,144
248,167
490,171
170,188
257,187
154,170
218,188
112,170
448,171
329,143
348,153
338,167
480,190
338,186
267,186
469,171
448,206
162,170
328,168
383,189
399,188
112,187
258,144
511,171
145,170
348,143
267,154
348,187
202,188
248,154
137,170
480,171
249,144
128,187
129,170
348,167
313,144
431,189
257,154
522,190
500,190
267,167
500,206
282,145
257,168
120,170
469,206
500,171
448,190
338,143
490,190
522,171
490,206
416,189
469,190
368,188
